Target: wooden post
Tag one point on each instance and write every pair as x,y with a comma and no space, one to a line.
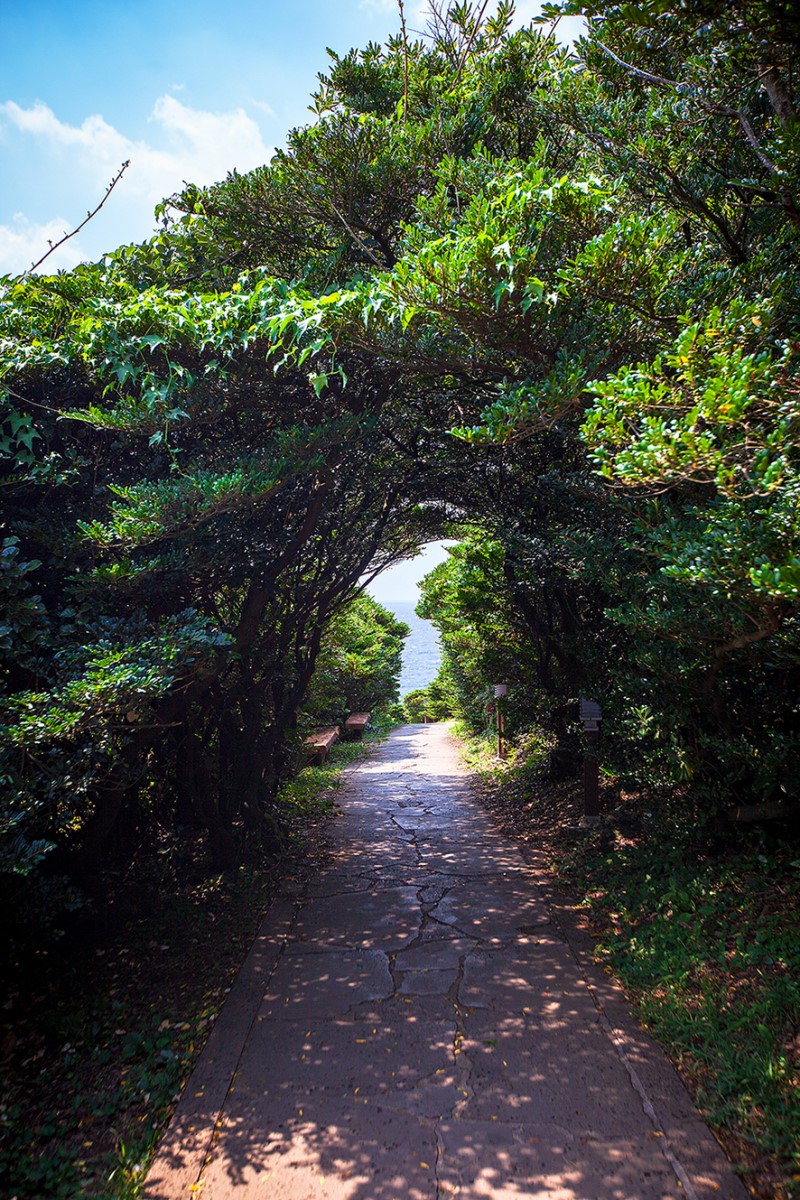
591,780
591,716
500,692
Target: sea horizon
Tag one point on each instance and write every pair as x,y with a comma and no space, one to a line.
422,653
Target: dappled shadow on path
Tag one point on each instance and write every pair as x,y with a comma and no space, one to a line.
421,1030
384,1103
445,1069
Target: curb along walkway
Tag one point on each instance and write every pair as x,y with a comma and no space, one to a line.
417,1025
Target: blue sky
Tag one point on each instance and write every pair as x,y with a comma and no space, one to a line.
183,91
400,582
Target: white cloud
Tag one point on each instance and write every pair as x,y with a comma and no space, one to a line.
416,11
23,243
95,139
187,144
264,107
201,146
567,30
214,143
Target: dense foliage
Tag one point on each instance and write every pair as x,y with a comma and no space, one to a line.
548,296
359,663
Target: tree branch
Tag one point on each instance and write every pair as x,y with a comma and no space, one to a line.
707,105
55,245
778,95
404,33
646,75
779,98
470,42
357,238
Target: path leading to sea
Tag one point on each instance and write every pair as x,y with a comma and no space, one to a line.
423,1021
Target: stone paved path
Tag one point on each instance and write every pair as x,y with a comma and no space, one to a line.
417,1025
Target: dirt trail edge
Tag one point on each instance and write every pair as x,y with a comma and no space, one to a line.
424,1022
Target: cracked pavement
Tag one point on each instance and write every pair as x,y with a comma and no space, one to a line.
424,1021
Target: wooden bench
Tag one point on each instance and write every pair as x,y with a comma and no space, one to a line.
317,744
356,723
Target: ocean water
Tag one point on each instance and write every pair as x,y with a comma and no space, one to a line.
422,653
